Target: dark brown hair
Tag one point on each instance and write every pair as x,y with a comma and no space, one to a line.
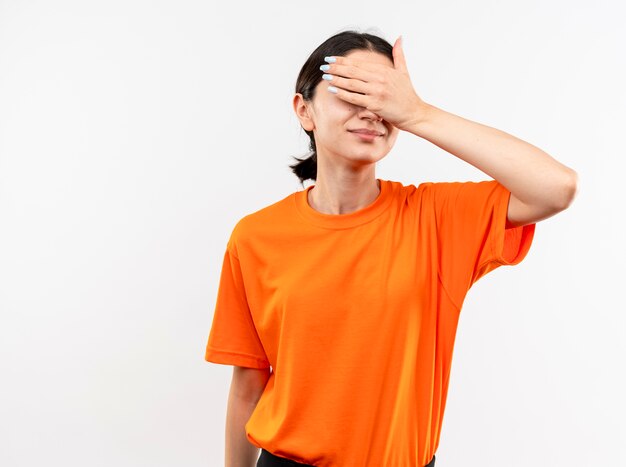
310,75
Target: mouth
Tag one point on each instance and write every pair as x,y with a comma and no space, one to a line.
363,131
365,136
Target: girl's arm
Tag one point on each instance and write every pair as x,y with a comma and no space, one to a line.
540,186
246,388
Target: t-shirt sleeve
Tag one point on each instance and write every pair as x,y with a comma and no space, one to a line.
471,219
233,339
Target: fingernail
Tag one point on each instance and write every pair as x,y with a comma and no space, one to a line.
325,67
332,89
327,77
330,59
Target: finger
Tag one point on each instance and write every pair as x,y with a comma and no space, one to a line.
353,85
399,61
363,64
365,71
352,97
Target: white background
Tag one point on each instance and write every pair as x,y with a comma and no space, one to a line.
134,135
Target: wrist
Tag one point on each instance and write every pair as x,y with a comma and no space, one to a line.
422,116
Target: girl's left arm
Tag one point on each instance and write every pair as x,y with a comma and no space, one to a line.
540,185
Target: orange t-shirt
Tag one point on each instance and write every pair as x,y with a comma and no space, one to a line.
357,314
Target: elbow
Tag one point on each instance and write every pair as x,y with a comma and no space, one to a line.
569,190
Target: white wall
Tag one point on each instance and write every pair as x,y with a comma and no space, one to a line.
133,136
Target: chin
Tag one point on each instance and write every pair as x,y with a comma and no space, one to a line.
367,158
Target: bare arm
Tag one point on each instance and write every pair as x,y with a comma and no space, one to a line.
245,390
540,185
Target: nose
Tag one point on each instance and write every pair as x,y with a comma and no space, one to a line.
365,113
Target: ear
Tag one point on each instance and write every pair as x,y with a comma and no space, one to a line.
301,107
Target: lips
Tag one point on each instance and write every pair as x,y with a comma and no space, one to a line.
366,131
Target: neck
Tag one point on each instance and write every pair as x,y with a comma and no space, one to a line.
334,197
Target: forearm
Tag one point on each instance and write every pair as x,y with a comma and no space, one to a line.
529,173
239,451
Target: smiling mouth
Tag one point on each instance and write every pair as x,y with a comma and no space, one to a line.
366,136
366,132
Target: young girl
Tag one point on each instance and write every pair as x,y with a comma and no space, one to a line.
338,305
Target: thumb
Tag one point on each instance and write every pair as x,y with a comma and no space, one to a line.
398,56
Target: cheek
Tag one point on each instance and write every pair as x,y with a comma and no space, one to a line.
336,120
392,138
333,104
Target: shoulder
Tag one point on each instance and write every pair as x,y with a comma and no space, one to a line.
456,188
440,195
261,221
417,190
